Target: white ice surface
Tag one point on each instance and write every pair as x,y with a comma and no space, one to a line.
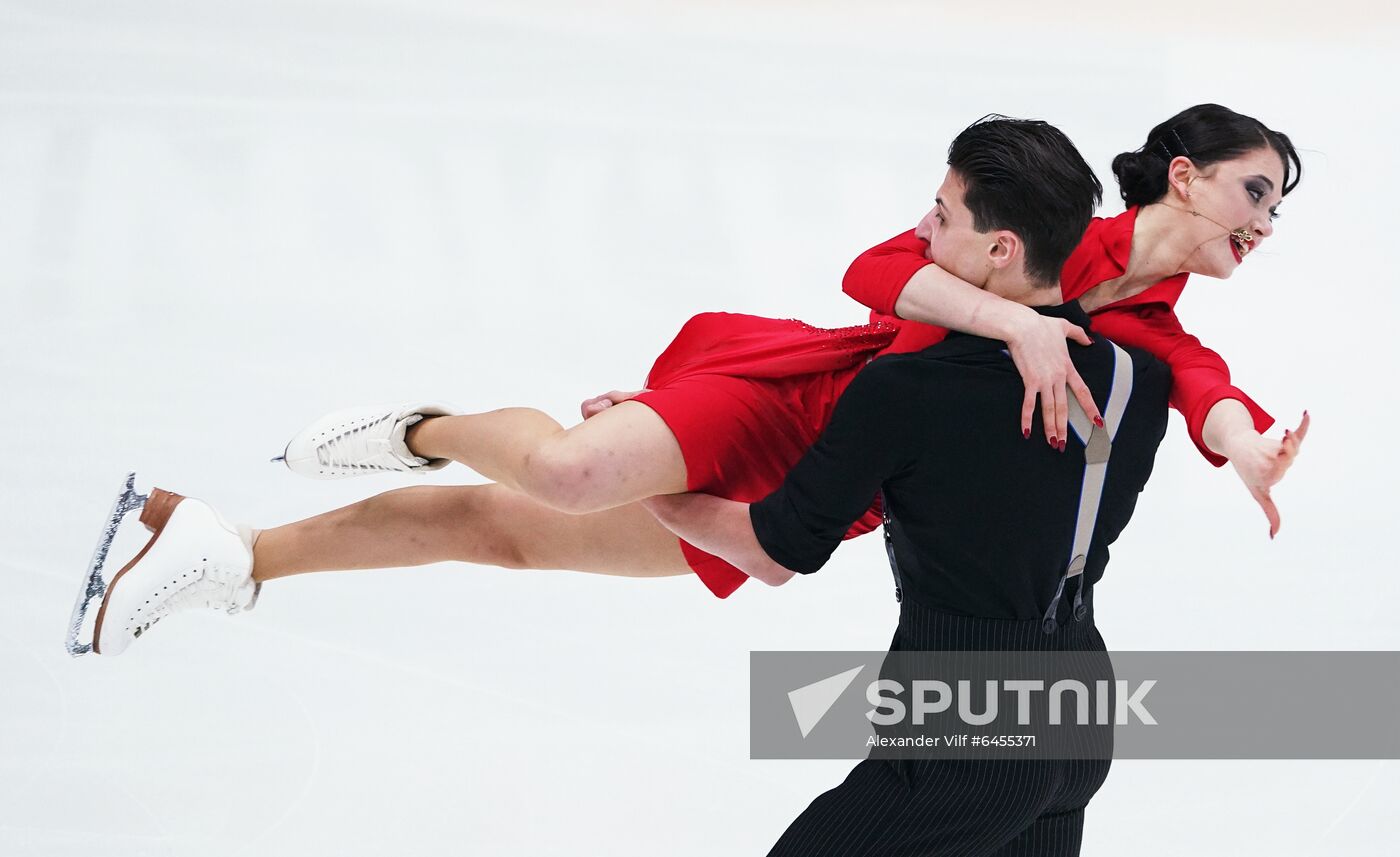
219,220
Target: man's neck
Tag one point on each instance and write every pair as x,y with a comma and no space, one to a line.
1023,291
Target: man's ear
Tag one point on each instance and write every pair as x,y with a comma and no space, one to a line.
1005,249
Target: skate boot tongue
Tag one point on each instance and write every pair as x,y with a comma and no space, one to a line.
398,442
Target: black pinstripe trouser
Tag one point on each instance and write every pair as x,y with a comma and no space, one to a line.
958,807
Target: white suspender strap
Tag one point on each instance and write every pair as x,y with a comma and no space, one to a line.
1098,445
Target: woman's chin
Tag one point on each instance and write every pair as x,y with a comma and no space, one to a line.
1216,271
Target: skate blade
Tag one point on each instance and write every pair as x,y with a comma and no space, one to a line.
79,640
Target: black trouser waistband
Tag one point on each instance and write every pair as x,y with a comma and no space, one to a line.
926,628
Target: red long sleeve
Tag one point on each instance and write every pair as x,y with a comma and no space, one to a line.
1200,377
878,275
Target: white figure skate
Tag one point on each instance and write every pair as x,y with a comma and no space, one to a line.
362,440
194,558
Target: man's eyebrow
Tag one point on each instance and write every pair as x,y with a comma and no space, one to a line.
938,200
1266,180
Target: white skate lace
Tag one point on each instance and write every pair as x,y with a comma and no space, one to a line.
350,450
217,589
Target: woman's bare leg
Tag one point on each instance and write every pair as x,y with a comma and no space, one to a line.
624,454
480,524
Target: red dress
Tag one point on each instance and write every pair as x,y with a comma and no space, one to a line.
745,395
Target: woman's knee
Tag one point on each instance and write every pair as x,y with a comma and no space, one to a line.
472,523
621,456
489,525
568,476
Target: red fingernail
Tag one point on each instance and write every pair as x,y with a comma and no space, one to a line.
1098,421
1054,441
1027,433
1062,445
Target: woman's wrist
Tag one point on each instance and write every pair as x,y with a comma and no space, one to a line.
1011,322
1228,428
1233,444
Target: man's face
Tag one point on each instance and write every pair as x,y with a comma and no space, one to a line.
952,242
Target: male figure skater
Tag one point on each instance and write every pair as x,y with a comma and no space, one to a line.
996,543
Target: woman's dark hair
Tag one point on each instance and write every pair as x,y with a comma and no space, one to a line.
1207,134
1025,175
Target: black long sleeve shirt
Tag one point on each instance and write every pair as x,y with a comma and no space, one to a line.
986,518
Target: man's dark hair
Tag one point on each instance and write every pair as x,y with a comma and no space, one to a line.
1025,175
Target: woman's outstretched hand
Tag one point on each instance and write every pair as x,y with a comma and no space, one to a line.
1041,356
598,404
1261,463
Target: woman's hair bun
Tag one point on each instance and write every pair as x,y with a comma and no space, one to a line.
1142,177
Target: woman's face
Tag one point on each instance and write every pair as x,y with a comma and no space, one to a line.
1235,201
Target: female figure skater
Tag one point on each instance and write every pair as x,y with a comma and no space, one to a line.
735,400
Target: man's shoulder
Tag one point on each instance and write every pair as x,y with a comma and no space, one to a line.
1152,378
974,357
1147,367
960,368
952,355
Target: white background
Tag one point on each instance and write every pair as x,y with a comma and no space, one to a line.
219,220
